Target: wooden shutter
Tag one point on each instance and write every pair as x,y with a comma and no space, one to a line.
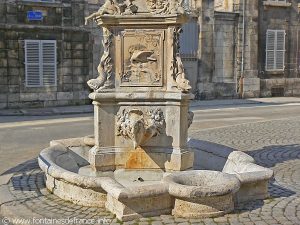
40,63
270,49
280,50
48,49
32,63
275,50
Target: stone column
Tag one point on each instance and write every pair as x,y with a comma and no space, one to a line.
206,48
250,82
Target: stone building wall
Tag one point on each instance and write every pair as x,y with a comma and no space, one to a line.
224,66
232,49
76,57
283,16
218,52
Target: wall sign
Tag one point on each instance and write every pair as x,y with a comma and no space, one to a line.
35,15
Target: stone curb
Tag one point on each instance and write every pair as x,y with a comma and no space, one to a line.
237,102
48,111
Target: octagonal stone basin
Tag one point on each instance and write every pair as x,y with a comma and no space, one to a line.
202,193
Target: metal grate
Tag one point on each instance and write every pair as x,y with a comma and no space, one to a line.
277,91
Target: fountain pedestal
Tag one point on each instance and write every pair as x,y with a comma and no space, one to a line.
164,113
141,96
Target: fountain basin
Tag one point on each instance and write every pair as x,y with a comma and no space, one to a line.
134,193
201,193
254,178
129,194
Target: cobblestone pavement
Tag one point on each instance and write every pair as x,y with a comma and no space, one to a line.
274,144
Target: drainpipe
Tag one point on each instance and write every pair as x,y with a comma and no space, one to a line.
298,66
243,50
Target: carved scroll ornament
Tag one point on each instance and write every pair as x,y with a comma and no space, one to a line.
105,68
179,76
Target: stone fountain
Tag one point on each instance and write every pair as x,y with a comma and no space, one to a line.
139,162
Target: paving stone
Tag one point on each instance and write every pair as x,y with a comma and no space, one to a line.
180,220
221,219
156,223
274,144
143,223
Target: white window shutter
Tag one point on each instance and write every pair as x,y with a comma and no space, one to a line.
40,63
280,50
32,63
49,62
270,50
271,36
275,50
270,60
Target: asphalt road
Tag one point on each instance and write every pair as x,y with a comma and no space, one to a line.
23,137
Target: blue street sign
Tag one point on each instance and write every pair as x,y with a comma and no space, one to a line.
34,15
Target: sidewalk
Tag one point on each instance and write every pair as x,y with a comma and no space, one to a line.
244,102
199,104
65,110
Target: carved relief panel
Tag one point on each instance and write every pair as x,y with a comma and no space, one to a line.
141,53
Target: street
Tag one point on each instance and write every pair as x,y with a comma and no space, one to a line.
270,133
23,137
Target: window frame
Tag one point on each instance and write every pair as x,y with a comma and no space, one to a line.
40,63
275,50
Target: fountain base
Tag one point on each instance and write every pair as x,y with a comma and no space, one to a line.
112,158
133,193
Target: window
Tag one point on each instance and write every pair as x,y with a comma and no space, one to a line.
275,50
189,39
40,63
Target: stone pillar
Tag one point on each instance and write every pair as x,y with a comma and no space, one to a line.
206,47
250,83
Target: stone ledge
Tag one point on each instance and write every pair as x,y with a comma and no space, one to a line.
138,96
277,4
140,19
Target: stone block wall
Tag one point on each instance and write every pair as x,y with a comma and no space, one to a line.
224,47
76,62
217,53
232,49
286,87
282,17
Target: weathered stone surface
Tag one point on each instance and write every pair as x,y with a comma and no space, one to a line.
64,95
254,179
57,26
201,194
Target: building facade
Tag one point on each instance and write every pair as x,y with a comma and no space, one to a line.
230,48
247,48
46,52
